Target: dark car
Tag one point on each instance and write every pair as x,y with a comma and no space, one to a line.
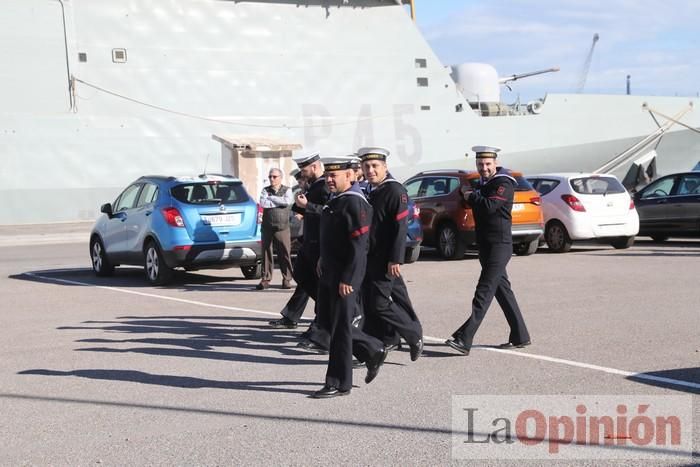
447,220
670,207
163,223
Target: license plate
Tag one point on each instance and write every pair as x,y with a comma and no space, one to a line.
518,207
222,219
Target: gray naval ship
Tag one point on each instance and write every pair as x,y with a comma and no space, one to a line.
95,93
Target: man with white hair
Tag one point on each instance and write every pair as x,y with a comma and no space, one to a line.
276,202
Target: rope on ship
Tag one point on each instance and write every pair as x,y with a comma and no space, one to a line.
211,119
653,138
674,120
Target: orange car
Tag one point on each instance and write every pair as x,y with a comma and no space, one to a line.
448,223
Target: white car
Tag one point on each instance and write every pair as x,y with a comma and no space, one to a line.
582,206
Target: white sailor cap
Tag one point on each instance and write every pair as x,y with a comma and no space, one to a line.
296,173
486,152
370,153
308,159
338,163
352,158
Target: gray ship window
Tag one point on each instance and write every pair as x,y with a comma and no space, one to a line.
421,63
82,57
119,55
425,107
422,82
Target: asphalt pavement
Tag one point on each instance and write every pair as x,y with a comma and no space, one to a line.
111,371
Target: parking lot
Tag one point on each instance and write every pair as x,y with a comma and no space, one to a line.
112,371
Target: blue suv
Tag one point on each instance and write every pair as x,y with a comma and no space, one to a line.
163,223
414,235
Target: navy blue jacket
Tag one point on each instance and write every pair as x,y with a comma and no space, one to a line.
345,225
491,205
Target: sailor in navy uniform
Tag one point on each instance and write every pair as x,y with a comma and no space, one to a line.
309,204
344,236
291,313
491,205
360,175
389,202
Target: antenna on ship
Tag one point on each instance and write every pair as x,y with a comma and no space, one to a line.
206,163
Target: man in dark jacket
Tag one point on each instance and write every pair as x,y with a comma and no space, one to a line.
389,202
309,204
491,205
276,201
344,241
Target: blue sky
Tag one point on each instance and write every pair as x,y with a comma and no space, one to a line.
657,43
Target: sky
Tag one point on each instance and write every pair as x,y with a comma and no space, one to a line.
657,43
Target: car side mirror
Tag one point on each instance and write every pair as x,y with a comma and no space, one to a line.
107,209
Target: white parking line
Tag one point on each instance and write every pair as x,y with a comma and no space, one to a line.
518,353
143,294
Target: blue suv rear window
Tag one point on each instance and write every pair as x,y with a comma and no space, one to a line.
210,193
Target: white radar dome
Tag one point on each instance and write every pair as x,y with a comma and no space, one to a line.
478,82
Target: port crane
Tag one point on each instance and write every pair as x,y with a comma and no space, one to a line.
586,65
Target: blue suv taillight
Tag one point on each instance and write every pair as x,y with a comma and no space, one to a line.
172,217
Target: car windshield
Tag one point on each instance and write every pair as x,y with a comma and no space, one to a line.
596,185
210,193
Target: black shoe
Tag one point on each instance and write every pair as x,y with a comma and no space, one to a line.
311,347
374,363
458,344
416,350
326,392
283,322
262,286
510,345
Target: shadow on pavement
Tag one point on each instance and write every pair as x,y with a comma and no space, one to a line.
234,339
133,277
656,378
196,337
177,381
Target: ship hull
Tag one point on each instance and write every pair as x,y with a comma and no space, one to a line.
326,76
